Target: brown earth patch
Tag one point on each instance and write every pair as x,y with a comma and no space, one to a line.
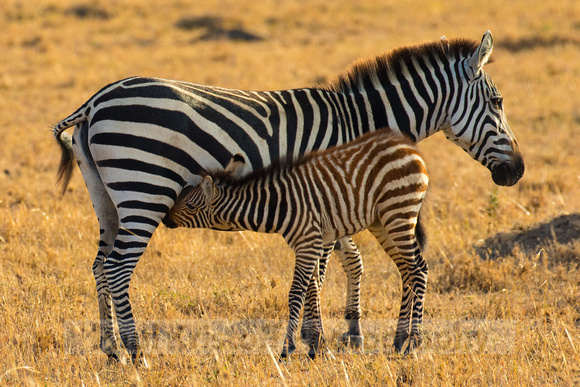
562,230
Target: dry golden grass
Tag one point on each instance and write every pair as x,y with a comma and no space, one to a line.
219,299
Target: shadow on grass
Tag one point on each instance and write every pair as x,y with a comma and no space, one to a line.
561,230
530,43
88,11
216,28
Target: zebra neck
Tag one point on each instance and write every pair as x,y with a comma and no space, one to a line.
415,103
243,205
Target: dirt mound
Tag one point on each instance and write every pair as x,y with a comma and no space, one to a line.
561,230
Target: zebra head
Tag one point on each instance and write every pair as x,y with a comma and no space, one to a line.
195,207
478,123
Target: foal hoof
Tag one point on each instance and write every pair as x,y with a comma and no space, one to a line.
139,360
286,352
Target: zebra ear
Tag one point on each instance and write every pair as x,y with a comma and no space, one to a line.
208,188
235,167
481,55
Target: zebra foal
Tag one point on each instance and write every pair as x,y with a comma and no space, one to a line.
376,182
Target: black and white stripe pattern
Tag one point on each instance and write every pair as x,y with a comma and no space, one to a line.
140,140
377,182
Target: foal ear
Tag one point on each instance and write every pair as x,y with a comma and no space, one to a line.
482,54
208,188
235,167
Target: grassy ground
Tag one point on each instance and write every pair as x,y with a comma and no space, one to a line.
502,305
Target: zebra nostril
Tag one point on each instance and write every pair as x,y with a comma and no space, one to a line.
507,174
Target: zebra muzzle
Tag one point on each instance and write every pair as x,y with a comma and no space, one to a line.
508,173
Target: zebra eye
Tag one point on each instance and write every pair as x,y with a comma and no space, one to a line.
496,101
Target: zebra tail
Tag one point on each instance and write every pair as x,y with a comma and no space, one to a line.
64,140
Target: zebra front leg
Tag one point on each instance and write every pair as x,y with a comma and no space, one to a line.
307,256
351,261
312,294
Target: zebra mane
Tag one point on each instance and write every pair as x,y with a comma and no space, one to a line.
393,61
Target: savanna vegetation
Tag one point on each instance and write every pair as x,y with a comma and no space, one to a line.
502,306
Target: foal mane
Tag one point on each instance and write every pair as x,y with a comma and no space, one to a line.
276,168
281,166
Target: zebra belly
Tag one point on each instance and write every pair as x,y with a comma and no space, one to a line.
338,225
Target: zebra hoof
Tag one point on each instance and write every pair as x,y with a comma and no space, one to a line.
357,342
312,353
352,341
415,342
400,342
113,358
305,335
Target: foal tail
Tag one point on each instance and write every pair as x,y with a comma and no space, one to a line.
64,140
421,233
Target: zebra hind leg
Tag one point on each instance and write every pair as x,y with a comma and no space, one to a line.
109,344
413,269
119,266
108,225
108,341
133,236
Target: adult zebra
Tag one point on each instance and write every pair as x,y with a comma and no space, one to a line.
376,182
138,141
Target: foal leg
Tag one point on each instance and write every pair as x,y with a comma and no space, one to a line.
308,253
312,302
352,264
316,335
351,261
413,269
